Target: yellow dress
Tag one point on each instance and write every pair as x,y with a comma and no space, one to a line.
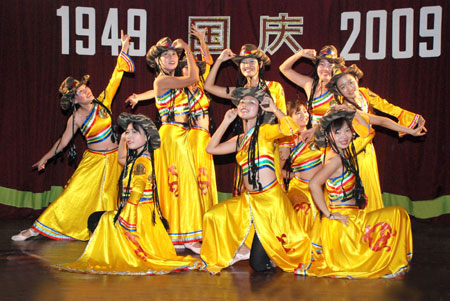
198,139
133,245
269,212
374,244
367,158
175,172
303,158
93,185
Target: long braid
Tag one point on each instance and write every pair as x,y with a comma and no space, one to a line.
155,194
253,154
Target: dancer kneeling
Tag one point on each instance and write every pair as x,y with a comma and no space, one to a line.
353,243
133,240
279,237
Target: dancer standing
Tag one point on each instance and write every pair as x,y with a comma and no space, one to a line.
93,186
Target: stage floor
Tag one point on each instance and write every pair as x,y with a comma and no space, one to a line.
24,276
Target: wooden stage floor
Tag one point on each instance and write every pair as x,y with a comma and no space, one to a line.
24,275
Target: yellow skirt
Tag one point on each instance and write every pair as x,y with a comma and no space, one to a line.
368,170
302,201
204,166
92,187
177,186
270,213
146,251
373,245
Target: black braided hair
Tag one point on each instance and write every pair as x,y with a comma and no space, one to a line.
349,161
253,153
132,156
310,99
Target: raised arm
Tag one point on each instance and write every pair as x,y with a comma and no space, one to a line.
214,146
299,79
210,86
200,35
165,82
59,145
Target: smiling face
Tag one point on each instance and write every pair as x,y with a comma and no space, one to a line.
342,134
168,60
135,137
83,95
301,116
250,67
324,70
348,86
248,107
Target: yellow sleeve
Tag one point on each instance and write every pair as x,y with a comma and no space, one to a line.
285,128
142,170
124,64
404,117
277,92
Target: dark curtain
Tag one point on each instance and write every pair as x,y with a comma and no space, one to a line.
33,67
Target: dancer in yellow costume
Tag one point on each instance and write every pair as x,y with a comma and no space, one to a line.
174,162
305,162
199,135
263,206
319,98
344,85
133,239
93,186
251,62
354,243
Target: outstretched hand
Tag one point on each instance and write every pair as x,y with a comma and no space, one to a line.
40,165
132,100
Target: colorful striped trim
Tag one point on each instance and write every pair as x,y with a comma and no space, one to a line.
126,225
261,162
336,187
129,61
103,152
90,120
246,138
49,232
265,188
182,238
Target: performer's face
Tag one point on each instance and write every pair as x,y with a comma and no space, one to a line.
169,60
342,136
83,95
250,67
248,107
324,70
348,85
301,116
135,137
